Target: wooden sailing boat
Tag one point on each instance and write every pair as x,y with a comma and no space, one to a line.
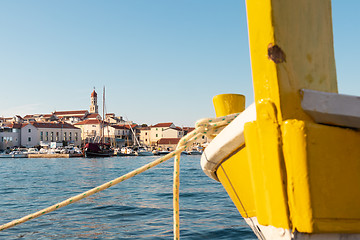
290,162
100,149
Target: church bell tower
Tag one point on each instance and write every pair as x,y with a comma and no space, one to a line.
93,105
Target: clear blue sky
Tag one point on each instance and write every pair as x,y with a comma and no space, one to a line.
160,60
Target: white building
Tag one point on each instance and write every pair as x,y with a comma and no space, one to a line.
43,133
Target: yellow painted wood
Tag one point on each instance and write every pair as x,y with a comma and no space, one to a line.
294,144
226,104
323,164
267,167
291,48
238,183
304,176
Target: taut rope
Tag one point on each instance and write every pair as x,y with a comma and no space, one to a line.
208,127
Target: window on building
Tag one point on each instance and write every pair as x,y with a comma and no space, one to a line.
156,129
52,136
57,136
64,136
47,136
41,136
76,136
29,130
145,133
29,139
70,136
2,139
156,135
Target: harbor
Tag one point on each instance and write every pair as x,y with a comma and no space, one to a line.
272,160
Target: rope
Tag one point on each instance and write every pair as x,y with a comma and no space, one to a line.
208,127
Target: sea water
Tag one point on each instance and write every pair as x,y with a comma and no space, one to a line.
138,208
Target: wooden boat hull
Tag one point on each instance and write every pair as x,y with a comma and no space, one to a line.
98,154
291,177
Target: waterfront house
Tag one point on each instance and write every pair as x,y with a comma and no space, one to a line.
43,133
120,135
10,135
167,144
90,130
144,136
164,130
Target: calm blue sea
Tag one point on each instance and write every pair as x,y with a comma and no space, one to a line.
138,208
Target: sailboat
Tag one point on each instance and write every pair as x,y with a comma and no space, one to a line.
99,149
140,150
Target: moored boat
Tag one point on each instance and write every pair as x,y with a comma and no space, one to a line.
98,150
142,151
14,154
126,151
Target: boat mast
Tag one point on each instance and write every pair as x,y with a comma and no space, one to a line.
103,115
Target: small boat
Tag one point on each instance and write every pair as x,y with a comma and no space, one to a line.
33,151
163,152
98,150
14,154
142,151
126,151
193,152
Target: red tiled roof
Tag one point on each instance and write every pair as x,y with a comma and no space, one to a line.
188,129
168,141
124,126
89,122
94,94
51,125
163,124
92,115
14,125
120,127
144,128
79,112
28,116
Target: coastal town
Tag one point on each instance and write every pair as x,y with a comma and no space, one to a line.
61,130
